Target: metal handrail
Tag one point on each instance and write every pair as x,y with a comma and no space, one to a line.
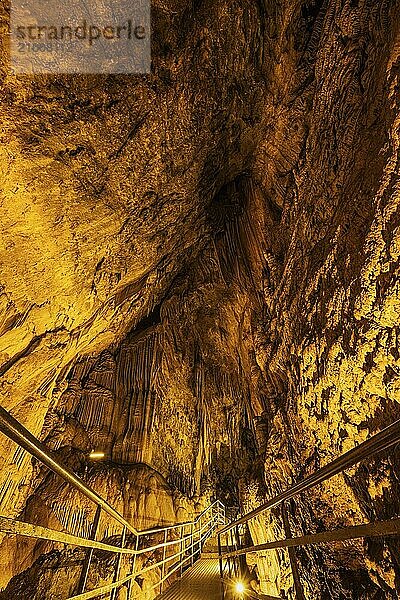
383,440
100,591
162,528
215,514
14,430
388,437
128,578
15,527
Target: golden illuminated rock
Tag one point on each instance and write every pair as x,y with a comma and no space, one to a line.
200,278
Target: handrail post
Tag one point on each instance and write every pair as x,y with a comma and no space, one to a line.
201,523
292,555
239,559
163,563
198,532
221,568
114,591
229,558
133,567
234,561
192,544
182,549
89,553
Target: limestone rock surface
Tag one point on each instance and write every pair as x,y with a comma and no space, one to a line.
200,273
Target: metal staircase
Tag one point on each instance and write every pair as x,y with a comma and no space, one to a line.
213,571
179,544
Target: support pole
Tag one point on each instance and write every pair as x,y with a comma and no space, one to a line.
114,592
229,558
221,568
239,558
234,561
133,567
163,563
192,544
182,549
89,553
200,524
292,556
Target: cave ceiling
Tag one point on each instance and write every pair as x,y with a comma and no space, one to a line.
199,266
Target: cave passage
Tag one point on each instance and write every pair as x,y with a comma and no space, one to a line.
199,306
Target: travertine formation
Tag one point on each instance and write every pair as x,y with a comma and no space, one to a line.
200,274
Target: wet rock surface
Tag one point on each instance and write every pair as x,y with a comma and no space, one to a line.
200,273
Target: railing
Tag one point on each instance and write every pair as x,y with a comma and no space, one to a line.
188,537
231,537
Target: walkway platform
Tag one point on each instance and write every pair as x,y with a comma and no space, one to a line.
200,582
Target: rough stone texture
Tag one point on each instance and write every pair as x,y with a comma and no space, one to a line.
137,491
200,268
107,184
330,347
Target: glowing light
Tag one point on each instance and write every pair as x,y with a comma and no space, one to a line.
96,455
239,587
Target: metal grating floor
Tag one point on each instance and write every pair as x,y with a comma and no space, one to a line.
200,582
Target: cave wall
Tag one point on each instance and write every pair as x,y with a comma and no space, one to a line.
173,394
202,265
329,350
172,397
106,182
